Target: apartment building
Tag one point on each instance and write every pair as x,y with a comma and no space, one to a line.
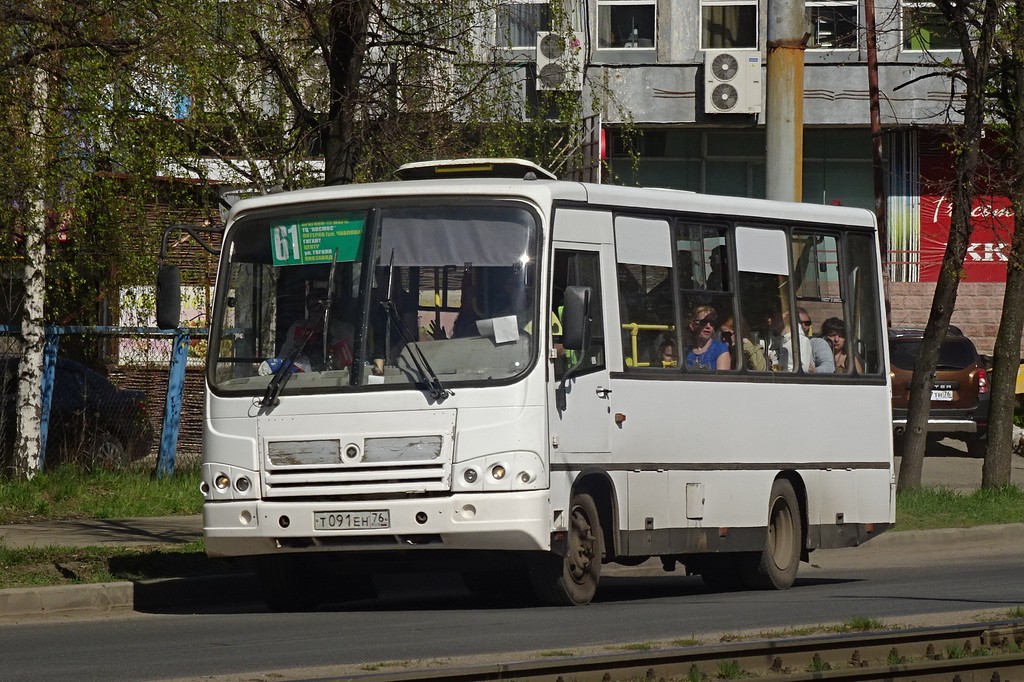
691,75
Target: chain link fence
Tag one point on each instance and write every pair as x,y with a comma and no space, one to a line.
108,397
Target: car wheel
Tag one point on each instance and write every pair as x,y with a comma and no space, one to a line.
107,451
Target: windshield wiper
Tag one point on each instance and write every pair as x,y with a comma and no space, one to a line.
287,367
435,388
322,318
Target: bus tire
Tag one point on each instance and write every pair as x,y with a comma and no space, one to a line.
285,580
776,566
572,580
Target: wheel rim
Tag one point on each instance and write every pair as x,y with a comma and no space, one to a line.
781,536
109,450
582,546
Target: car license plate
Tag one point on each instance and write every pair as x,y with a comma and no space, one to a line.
353,520
942,395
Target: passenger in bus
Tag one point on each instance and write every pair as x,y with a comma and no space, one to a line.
718,275
706,351
469,313
667,355
834,331
822,360
754,358
308,332
782,344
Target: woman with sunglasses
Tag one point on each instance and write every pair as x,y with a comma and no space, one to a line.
705,351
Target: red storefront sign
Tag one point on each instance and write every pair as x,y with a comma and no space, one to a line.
991,220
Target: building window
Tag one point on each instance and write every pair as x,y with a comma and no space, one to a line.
518,23
832,25
625,23
728,24
924,28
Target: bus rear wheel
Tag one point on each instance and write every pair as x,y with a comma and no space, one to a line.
572,580
776,565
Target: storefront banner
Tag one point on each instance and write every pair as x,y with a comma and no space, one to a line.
992,230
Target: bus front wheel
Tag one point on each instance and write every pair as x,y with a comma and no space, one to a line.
775,567
572,580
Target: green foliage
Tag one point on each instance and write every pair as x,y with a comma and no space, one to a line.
731,670
69,493
943,508
43,566
861,625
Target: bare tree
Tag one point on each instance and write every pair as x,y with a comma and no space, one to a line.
367,85
974,25
1009,101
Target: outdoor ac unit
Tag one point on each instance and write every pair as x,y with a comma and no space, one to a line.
560,58
732,82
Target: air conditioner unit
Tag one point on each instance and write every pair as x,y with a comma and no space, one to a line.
732,82
560,58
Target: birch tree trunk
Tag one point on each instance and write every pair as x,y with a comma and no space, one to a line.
28,450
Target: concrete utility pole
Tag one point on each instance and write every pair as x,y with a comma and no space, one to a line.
784,122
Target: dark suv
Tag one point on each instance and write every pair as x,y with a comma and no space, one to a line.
960,396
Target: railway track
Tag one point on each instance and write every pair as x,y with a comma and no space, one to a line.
989,652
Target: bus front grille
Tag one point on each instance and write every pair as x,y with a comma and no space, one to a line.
331,481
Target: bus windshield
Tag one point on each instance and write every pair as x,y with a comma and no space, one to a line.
316,299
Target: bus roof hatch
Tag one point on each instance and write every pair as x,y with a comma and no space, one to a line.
472,168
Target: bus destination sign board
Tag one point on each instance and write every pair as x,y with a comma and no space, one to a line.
307,242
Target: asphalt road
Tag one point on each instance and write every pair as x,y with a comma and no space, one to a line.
917,578
923,578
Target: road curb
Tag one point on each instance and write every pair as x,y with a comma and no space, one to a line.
146,595
67,599
937,537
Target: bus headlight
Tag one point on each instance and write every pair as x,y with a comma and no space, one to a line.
505,472
228,483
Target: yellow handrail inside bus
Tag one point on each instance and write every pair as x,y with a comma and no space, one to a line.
634,329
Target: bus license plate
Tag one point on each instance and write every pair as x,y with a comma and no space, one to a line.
351,520
944,396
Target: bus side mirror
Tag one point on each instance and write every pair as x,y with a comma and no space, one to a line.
576,318
168,297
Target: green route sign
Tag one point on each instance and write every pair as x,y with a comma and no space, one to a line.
314,241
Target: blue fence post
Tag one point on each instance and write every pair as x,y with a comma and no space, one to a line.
50,341
172,408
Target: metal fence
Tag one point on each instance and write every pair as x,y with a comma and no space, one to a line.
113,397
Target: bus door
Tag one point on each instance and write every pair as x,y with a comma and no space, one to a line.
582,428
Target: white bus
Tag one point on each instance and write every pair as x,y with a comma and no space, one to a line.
485,369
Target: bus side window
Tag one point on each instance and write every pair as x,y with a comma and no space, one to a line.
865,316
647,306
705,297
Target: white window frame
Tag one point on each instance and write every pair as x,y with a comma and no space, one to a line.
855,4
604,6
904,39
